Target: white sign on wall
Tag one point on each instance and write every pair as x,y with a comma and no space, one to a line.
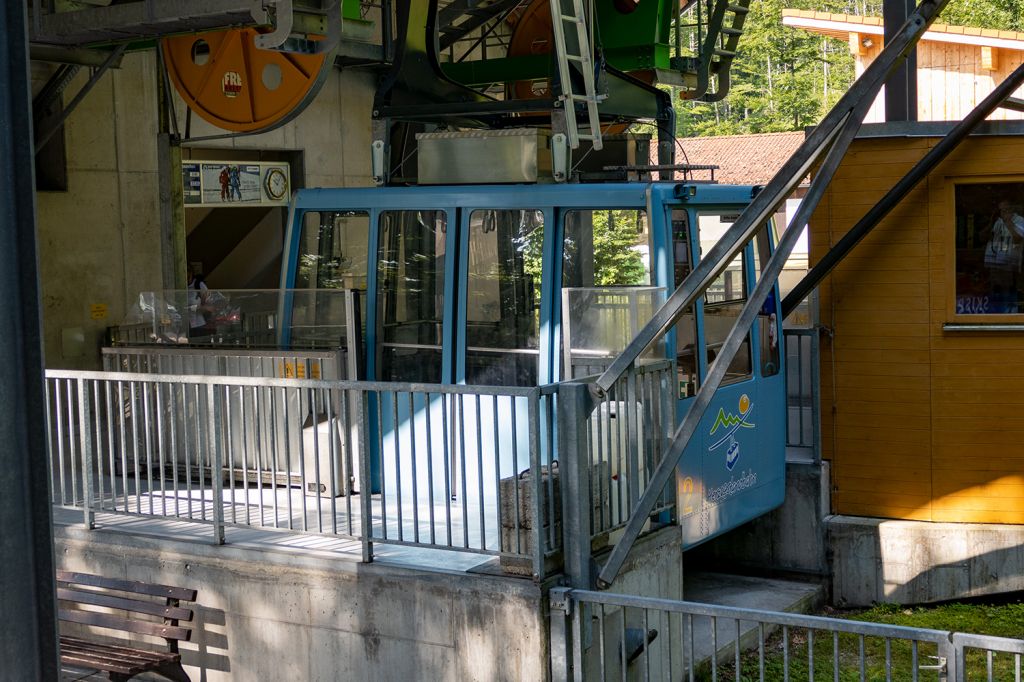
236,183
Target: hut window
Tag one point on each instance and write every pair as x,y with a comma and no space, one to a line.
989,242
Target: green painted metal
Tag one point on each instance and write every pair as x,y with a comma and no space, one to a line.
630,42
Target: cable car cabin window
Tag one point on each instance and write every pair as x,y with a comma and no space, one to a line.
410,295
724,299
686,327
503,297
333,253
767,318
989,247
606,248
333,250
606,297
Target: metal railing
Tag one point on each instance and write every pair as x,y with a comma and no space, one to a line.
611,636
437,466
465,468
627,434
803,416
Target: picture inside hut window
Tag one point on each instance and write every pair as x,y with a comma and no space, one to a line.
989,244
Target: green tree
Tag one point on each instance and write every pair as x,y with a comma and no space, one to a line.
786,79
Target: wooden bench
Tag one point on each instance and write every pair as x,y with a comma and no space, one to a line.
128,607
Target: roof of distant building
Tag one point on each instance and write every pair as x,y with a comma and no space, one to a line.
842,25
741,159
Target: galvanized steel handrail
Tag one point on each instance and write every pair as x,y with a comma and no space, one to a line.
600,635
344,385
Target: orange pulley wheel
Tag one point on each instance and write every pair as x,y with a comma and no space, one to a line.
227,80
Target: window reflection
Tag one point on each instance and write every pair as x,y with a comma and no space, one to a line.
989,244
410,293
724,299
503,297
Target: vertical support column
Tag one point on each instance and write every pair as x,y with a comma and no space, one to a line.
574,474
29,650
901,87
172,193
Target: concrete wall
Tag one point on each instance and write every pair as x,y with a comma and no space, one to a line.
100,242
911,562
271,615
265,613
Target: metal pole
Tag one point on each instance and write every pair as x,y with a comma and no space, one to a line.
574,473
780,187
901,88
28,647
902,188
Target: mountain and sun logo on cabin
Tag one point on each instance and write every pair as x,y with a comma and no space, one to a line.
732,423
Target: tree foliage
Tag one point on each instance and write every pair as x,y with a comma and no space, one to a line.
785,78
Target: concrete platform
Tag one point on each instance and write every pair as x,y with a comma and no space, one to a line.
745,592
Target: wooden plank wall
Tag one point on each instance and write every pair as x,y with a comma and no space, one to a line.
950,81
919,423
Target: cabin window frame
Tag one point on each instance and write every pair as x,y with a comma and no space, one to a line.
958,311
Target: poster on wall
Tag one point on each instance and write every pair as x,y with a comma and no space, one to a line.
234,183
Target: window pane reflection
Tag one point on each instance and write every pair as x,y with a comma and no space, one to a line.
410,295
503,297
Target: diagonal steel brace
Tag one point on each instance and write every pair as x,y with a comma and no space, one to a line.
836,132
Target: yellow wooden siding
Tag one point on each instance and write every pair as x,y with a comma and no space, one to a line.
928,424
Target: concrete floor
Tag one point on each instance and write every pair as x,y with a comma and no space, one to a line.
746,592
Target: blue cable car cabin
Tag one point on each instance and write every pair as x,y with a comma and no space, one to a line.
516,285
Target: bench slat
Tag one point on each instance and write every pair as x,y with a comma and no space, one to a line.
119,654
166,591
124,604
107,620
86,661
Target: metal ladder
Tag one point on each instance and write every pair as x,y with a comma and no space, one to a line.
721,51
584,58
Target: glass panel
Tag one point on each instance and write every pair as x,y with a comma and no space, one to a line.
606,248
503,297
731,285
410,295
332,255
599,322
767,318
686,326
333,250
724,299
989,238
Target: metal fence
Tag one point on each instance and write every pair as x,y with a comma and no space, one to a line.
627,435
448,467
611,637
803,417
466,468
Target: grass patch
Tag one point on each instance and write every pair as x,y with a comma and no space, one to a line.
1002,620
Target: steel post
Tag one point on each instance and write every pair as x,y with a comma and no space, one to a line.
215,444
574,478
29,645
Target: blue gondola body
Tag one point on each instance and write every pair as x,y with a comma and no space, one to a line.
733,469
